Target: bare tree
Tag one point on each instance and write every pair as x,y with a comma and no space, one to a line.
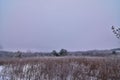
116,31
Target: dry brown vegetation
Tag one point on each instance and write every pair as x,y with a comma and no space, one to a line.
61,68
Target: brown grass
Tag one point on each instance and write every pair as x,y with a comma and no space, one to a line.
61,68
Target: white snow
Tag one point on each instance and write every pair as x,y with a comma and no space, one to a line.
1,68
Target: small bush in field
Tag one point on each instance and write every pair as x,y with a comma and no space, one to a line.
18,54
114,52
63,52
54,53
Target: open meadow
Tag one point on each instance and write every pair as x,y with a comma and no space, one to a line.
60,68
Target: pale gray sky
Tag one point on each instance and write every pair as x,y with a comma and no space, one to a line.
54,24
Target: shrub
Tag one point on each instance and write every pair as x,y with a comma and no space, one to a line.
114,52
54,53
18,54
63,52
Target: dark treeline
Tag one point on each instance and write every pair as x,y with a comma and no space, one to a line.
62,52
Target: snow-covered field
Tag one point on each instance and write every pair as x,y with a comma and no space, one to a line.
62,68
1,68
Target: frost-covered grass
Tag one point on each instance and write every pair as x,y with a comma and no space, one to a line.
61,68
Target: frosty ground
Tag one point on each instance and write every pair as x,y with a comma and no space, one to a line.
60,68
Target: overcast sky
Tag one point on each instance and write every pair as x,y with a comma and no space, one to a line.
45,25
